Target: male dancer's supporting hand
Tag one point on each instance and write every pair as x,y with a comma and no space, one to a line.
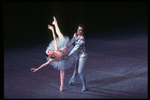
66,57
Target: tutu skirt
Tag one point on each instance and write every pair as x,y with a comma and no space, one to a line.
62,64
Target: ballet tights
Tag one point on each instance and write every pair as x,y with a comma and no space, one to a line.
62,74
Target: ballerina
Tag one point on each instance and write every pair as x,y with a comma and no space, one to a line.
56,52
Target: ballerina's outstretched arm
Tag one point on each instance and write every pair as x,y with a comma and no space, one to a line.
36,69
54,36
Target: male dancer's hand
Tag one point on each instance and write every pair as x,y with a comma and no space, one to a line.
66,57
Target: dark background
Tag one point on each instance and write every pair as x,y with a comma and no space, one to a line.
25,23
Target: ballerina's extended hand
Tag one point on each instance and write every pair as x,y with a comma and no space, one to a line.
34,69
50,27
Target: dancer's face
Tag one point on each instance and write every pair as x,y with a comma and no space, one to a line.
49,53
80,31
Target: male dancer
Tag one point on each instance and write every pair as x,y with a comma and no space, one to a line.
79,51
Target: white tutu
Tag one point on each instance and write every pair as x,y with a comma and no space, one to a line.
62,64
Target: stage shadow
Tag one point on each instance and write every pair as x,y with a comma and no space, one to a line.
112,80
101,86
97,87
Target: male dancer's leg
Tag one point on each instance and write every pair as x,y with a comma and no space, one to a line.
80,71
75,73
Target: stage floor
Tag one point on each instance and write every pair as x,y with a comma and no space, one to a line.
114,69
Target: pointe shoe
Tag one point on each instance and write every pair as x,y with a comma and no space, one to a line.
55,21
61,87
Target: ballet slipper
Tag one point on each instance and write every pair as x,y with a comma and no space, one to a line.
55,21
71,81
84,89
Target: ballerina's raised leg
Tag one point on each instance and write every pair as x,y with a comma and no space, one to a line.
60,35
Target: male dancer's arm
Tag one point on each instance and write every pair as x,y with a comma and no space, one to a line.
71,41
76,47
69,44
